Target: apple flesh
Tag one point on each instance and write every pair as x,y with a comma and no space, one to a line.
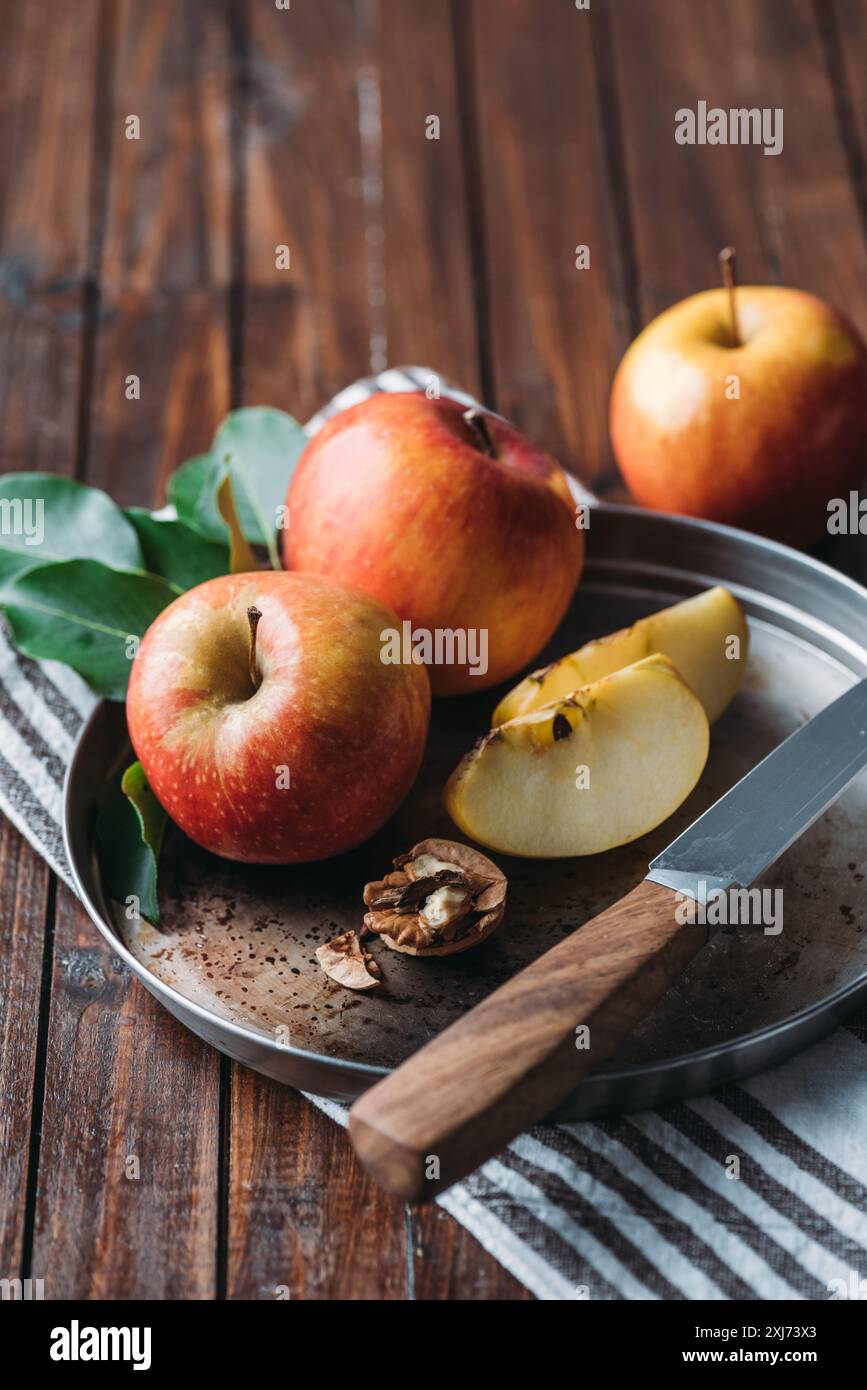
303,759
458,527
585,773
696,635
769,458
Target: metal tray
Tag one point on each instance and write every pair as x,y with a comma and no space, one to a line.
234,960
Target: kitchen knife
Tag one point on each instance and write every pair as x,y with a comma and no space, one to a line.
515,1056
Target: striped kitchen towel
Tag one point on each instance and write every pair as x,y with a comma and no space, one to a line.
637,1207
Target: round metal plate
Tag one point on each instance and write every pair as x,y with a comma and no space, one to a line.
234,959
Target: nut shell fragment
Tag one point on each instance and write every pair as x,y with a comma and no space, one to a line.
345,961
441,898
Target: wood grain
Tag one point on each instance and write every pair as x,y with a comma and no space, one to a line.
557,332
843,26
24,905
509,1061
307,328
431,296
784,213
45,172
126,1202
448,1263
304,1221
164,237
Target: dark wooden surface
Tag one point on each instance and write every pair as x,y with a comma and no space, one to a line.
157,257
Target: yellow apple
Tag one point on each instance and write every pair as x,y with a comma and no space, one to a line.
697,635
586,773
758,425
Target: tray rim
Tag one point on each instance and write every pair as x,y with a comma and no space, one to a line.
835,1005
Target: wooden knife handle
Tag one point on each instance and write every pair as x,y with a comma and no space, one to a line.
510,1060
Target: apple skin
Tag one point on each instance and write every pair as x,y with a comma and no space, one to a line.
769,461
398,496
350,729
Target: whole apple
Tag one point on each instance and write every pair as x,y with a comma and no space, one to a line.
268,726
758,429
452,518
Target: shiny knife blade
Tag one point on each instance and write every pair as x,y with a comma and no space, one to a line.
762,815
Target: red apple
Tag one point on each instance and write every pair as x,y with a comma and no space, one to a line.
460,525
303,758
760,434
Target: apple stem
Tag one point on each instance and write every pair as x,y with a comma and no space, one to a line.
728,267
476,420
253,616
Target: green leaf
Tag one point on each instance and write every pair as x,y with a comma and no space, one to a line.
130,827
259,447
193,491
177,552
44,518
262,447
83,613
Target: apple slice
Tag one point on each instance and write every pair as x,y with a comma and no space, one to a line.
695,634
588,772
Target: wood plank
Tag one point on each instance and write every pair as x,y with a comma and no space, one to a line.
793,217
423,230
307,329
380,266
449,1263
843,29
44,181
304,1221
165,247
24,908
557,332
128,1091
181,355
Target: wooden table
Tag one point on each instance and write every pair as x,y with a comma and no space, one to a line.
307,127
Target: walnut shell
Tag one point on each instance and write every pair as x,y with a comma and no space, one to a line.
397,902
345,961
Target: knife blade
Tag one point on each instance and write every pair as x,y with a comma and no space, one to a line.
744,832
